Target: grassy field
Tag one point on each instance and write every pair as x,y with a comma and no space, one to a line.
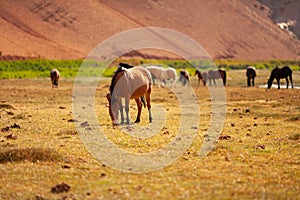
256,157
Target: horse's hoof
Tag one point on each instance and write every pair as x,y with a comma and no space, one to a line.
137,121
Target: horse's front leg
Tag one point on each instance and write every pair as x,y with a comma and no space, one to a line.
253,82
127,100
249,82
121,112
278,82
214,82
139,105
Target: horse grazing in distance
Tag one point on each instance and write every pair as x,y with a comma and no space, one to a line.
184,77
54,75
202,76
251,74
132,83
162,74
216,74
280,73
125,65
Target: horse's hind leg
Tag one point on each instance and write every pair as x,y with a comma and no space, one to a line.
253,82
291,79
139,105
249,82
287,82
149,104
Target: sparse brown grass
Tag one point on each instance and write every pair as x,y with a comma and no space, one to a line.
27,154
260,159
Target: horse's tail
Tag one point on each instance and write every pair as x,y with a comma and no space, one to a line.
143,101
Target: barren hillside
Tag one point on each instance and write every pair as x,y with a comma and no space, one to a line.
57,29
285,11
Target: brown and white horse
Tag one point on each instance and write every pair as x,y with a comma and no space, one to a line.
133,83
184,77
54,75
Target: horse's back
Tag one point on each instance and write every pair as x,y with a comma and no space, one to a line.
141,73
155,71
281,72
171,73
251,72
215,74
54,74
287,69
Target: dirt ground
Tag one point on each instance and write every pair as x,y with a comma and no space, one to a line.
256,156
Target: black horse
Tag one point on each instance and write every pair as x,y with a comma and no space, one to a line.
280,73
251,74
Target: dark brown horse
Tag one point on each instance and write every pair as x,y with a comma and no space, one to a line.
201,76
280,73
133,83
216,74
251,74
184,77
54,75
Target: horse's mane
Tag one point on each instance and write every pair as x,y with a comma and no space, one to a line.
114,79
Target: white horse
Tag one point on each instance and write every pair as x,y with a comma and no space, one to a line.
161,74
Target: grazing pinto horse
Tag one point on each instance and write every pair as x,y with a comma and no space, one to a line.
133,83
216,74
251,74
184,77
54,75
162,74
202,76
279,73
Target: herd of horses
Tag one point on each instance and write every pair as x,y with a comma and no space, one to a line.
135,82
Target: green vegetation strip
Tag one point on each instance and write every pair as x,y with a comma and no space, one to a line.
69,68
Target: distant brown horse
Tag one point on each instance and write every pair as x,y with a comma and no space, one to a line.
216,74
201,76
54,75
280,73
184,77
251,74
133,83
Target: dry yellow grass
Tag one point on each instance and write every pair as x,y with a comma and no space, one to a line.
256,158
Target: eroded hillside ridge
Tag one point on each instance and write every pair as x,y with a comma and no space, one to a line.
285,13
57,29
